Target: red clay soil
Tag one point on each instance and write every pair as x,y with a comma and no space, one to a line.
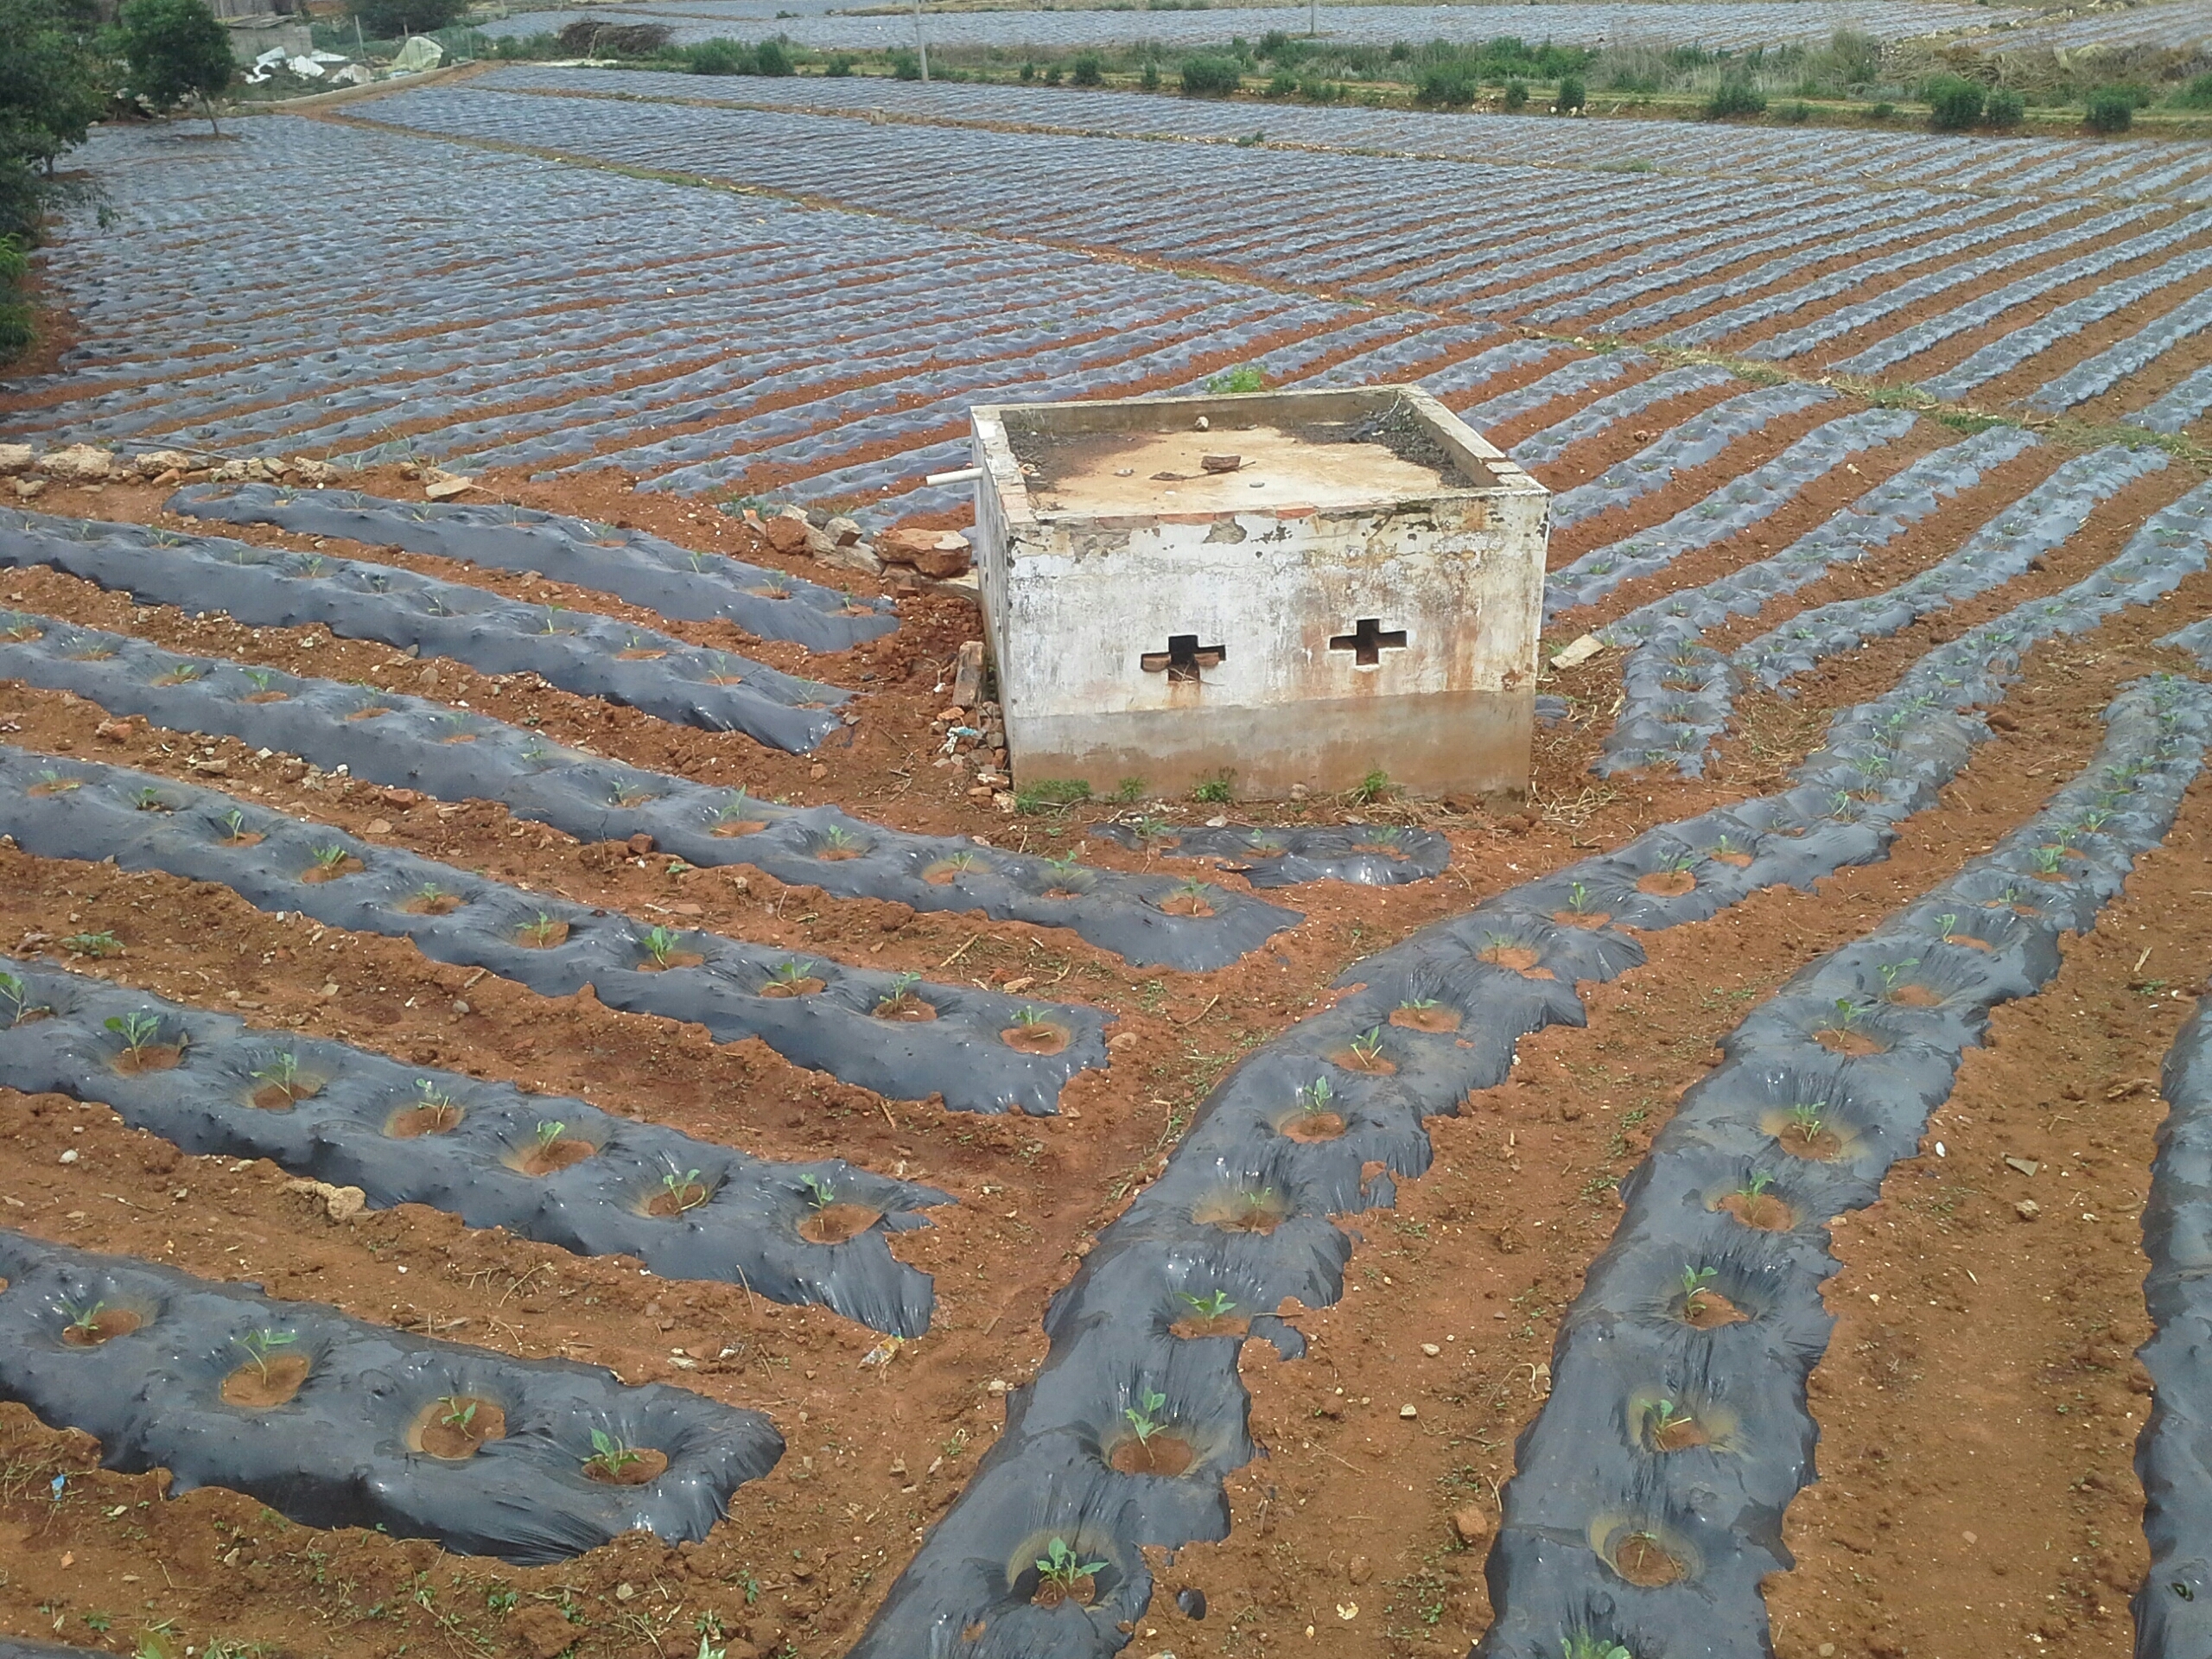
1368,1517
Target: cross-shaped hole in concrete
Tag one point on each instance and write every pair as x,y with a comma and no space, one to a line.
1184,658
1369,641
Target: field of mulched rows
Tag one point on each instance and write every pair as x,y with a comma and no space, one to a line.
551,1110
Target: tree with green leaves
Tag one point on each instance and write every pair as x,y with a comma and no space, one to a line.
176,50
395,20
51,91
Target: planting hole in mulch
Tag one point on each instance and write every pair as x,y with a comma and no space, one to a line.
1035,1037
833,1224
1757,1207
946,872
151,1056
1519,958
438,1117
1310,1127
1708,1310
805,987
1914,996
1667,884
268,697
261,1387
1669,1427
242,838
1363,1055
1582,918
319,872
1432,1017
1644,1561
1195,1326
99,1324
1238,1211
684,1197
281,1095
1165,1453
1853,1044
454,1426
906,1006
652,964
1051,1593
632,1467
1803,1132
542,934
432,903
549,1156
1969,940
740,826
639,654
56,786
1184,903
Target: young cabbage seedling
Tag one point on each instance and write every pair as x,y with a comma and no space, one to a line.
136,1030
149,799
1214,1307
819,1192
1751,1190
1592,1647
1891,971
1316,1095
429,893
837,839
686,1190
457,1413
12,994
85,1321
1144,1416
1806,1121
1578,899
660,944
1947,925
262,678
1661,1415
260,1343
541,931
1063,1567
610,1456
2046,859
234,821
282,1069
1694,1282
1368,1045
794,972
436,1103
549,1133
1028,1018
901,987
1847,1013
330,857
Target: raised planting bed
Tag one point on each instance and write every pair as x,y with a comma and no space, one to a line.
895,1033
529,1460
548,1167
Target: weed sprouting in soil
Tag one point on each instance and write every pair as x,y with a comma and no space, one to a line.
1375,786
1212,791
99,946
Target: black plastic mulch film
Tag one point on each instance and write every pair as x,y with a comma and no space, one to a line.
636,567
1443,1010
345,1449
1288,855
410,1135
580,652
457,755
1648,1494
2173,1457
961,1043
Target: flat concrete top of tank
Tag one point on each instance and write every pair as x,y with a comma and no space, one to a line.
1107,474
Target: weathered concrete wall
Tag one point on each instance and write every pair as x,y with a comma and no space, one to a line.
1074,603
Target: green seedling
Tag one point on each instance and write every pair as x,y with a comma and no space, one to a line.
1316,1095
85,1321
1152,827
739,805
1592,1647
549,1133
610,1456
1947,923
282,1069
1260,841
794,972
1144,1417
428,893
1061,1566
1663,1414
149,799
183,674
53,782
12,995
20,627
311,564
962,862
1386,835
541,931
2046,859
660,944
329,858
1216,1305
136,1030
1129,789
97,945
1368,1045
1892,971
234,821
1191,888
1215,790
260,1343
1029,1018
819,1192
457,1413
1694,1281
1755,1187
680,1189
1805,1118
901,987
443,1111
1376,786
553,619
1064,867
263,678
837,840
1578,899
1847,1013
628,795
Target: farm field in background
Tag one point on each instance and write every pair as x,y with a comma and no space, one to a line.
567,948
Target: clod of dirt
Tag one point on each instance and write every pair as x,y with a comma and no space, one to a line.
1469,1526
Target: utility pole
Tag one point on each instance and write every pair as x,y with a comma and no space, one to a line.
921,46
1313,19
